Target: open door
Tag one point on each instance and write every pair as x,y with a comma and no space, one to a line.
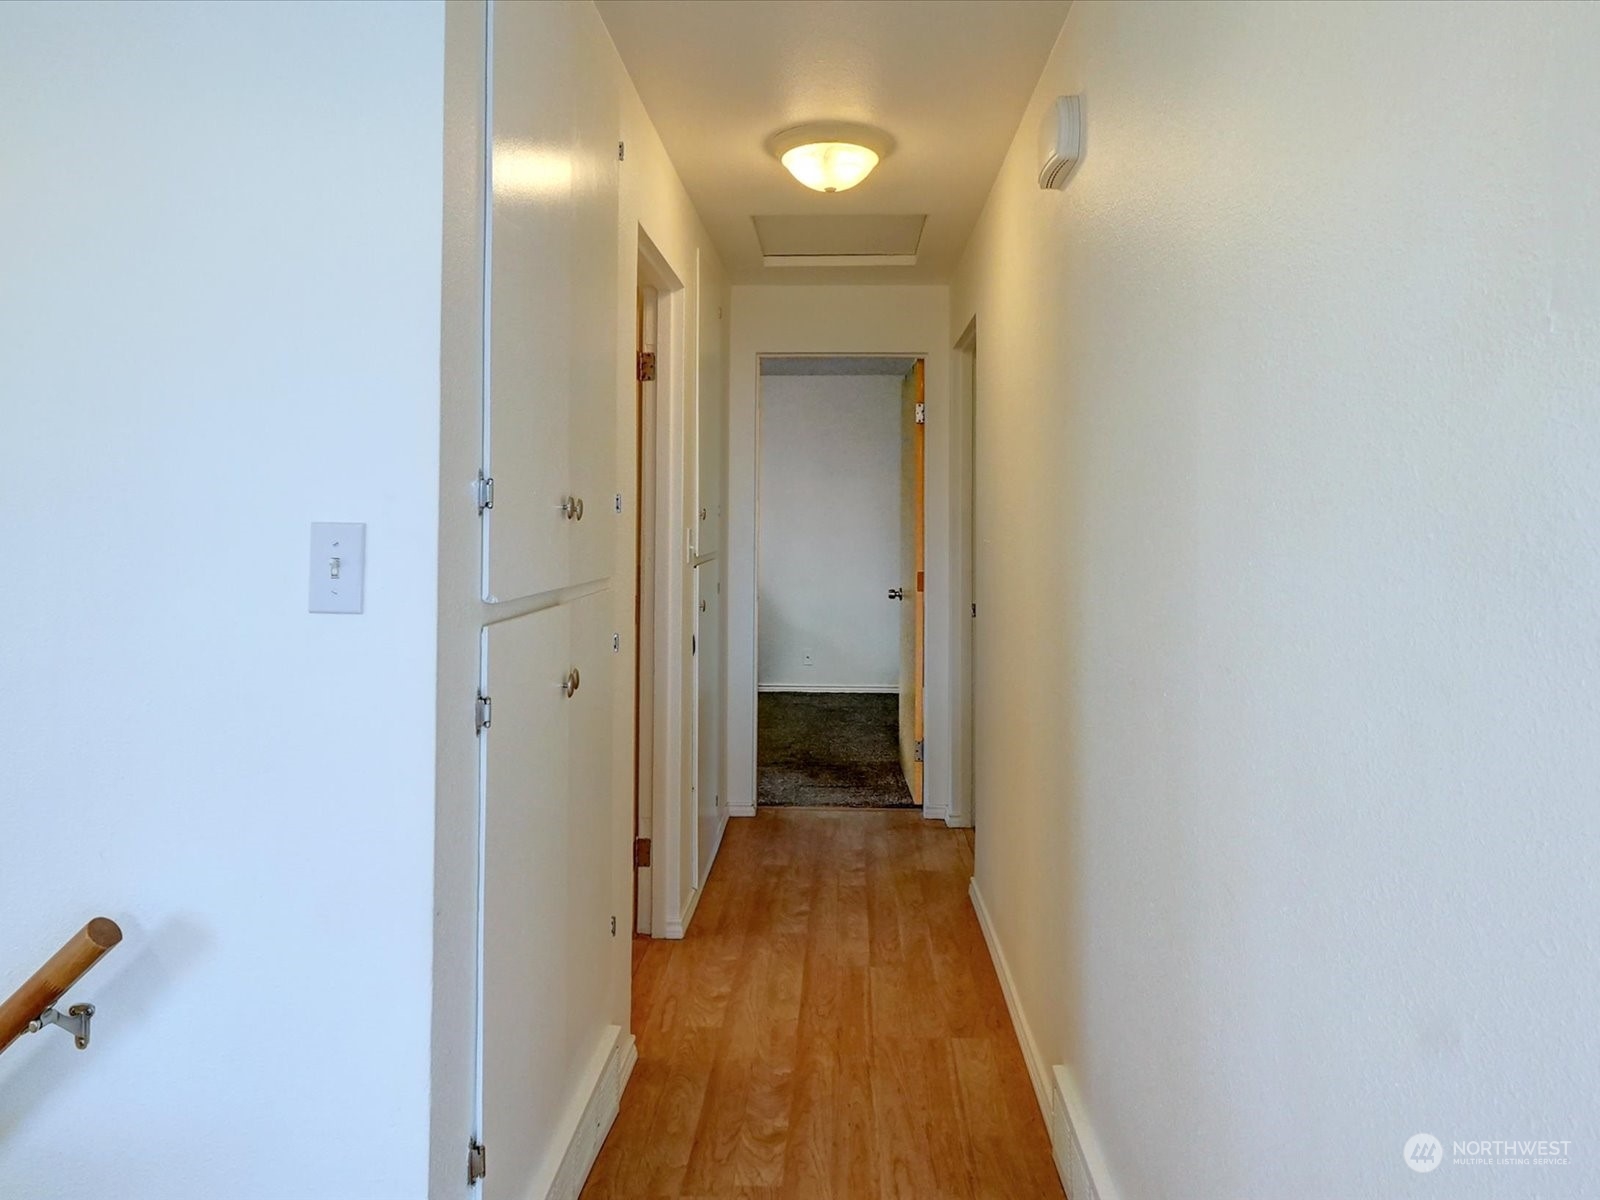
913,574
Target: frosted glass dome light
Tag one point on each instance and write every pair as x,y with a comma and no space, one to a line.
830,166
830,156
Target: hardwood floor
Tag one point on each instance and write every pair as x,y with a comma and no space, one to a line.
831,1027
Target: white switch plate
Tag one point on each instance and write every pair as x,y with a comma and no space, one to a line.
338,566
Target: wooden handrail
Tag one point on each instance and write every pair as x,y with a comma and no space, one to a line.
51,981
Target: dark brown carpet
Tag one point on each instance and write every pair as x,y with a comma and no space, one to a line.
830,749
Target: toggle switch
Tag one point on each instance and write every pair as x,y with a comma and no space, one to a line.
338,567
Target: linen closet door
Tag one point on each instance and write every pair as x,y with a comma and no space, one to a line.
550,412
546,891
593,336
524,1014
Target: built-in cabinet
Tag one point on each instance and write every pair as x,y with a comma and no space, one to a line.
554,852
550,537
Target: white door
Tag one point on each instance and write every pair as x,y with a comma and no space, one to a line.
593,336
550,400
545,932
527,533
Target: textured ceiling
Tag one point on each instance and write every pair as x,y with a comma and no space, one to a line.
947,79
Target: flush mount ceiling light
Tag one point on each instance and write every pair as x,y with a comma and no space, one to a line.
830,156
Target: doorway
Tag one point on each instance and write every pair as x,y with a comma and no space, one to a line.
841,581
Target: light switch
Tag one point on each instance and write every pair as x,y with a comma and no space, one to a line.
338,566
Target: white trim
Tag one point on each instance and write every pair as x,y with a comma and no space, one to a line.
612,1066
671,610
647,655
838,260
1045,1078
892,689
716,843
675,927
741,810
1079,1128
1038,1069
962,649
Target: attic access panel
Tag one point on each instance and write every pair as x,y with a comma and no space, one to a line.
840,240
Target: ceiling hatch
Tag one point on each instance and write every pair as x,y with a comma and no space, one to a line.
839,240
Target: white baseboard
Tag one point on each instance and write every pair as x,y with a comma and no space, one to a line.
935,813
846,688
716,842
741,810
955,822
614,1062
1079,1159
1038,1069
674,928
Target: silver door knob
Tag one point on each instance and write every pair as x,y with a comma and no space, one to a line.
569,685
897,593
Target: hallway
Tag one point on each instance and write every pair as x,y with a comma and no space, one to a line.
831,1026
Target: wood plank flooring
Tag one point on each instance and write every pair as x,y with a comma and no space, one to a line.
831,1027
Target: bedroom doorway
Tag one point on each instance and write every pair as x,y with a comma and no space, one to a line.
841,582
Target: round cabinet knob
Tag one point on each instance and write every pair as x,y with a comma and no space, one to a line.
579,503
569,685
572,508
897,593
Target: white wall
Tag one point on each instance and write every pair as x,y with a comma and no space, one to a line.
219,320
830,532
652,200
1288,433
898,320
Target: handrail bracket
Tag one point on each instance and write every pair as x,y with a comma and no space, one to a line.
76,1022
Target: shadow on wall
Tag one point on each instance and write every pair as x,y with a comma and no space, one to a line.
125,989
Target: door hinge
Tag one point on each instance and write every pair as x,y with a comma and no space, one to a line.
922,412
485,492
477,1162
641,852
485,713
622,151
917,757
646,363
